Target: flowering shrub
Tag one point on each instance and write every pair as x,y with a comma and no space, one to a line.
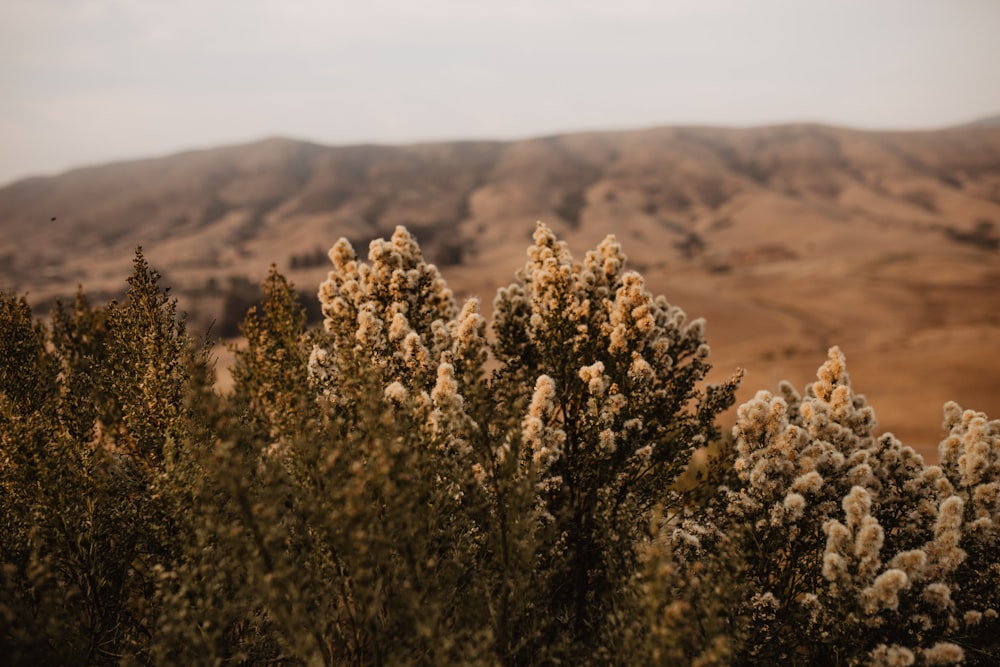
552,459
613,420
848,549
415,485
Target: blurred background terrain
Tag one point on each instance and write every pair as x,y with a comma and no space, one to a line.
809,177
787,238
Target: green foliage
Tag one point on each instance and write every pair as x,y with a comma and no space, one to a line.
269,372
27,371
85,474
80,341
415,485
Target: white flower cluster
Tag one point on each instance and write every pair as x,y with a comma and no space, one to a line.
393,312
393,321
544,441
853,534
633,347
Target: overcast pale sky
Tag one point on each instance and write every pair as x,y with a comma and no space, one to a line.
91,81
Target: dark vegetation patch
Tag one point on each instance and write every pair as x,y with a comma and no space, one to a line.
691,245
922,198
241,294
309,259
983,235
570,208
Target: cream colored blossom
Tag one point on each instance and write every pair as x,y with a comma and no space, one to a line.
446,388
834,566
794,505
640,370
634,424
884,591
469,323
912,562
977,455
396,392
810,482
841,404
857,505
892,656
944,548
618,339
479,474
952,415
644,453
607,441
593,376
939,595
545,443
944,653
868,545
543,398
861,475
399,327
369,326
987,496
415,353
972,617
831,374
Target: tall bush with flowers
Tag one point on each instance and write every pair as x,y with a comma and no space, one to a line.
415,484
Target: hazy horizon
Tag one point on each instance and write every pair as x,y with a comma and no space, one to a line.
89,82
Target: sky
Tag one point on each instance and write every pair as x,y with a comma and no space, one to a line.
93,81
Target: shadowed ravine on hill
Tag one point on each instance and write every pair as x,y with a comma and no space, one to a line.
786,239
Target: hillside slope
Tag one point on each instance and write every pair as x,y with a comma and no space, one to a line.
787,239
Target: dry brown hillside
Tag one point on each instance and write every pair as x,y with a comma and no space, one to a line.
787,239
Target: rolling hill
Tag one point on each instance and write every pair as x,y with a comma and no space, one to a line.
788,239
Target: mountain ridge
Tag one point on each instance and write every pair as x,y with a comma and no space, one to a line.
984,121
788,238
